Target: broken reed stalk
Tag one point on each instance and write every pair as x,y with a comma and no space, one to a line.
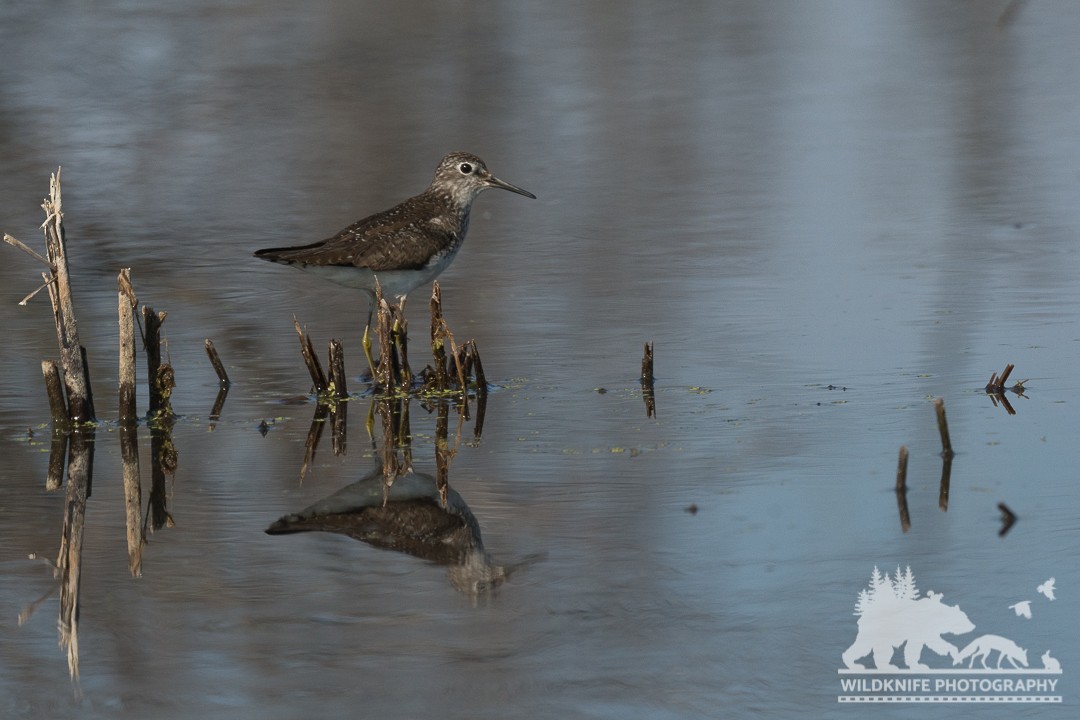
318,378
80,400
55,390
648,394
943,428
159,375
215,361
997,384
126,302
647,366
438,339
466,357
393,372
336,355
477,369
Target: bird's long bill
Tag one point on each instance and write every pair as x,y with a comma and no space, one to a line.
493,181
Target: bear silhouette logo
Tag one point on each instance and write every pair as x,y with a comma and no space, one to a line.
891,614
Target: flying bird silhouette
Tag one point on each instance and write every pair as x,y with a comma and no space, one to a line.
1022,609
1047,589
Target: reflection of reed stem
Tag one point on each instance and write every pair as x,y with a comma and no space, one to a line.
946,479
901,489
129,454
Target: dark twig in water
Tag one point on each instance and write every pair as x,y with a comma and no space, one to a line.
1008,519
311,360
997,383
996,386
943,428
215,361
647,392
159,374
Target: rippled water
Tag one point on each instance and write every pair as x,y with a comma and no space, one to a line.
823,215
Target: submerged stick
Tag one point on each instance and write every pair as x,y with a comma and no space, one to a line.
943,428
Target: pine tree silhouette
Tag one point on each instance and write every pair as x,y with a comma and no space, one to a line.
864,602
904,585
878,582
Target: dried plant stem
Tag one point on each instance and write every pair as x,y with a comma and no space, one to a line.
943,428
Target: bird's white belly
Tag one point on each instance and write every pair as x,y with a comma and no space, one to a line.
395,283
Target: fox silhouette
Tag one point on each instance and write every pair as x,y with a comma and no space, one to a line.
981,647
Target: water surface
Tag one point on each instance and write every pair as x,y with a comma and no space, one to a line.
823,215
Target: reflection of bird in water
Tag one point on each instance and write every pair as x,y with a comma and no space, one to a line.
412,520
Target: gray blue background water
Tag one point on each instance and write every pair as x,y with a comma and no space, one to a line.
879,197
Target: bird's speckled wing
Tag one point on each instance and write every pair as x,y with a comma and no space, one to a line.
394,239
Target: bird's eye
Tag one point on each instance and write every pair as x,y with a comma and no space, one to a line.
465,168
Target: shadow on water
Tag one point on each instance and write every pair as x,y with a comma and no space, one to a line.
394,507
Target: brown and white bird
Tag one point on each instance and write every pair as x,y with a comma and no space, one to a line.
406,246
